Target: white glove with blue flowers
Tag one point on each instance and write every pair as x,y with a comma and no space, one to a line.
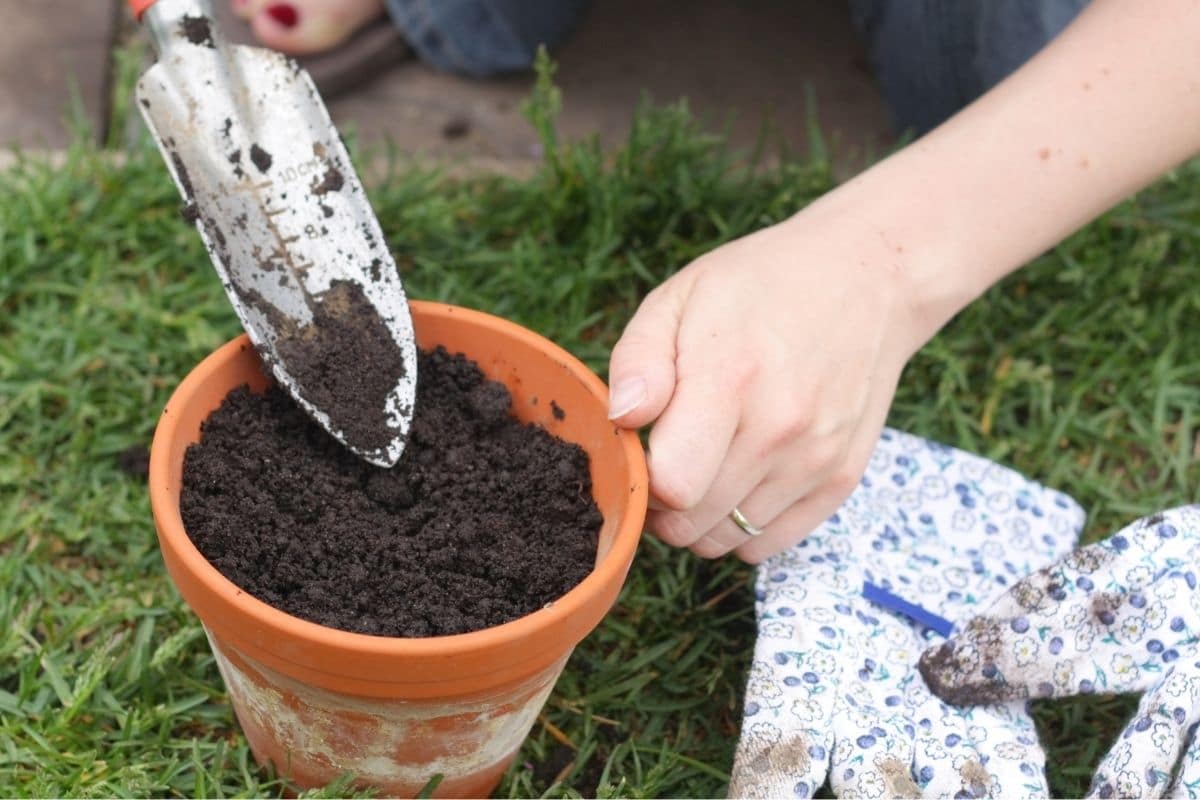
933,534
1121,615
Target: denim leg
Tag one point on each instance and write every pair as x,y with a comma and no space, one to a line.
932,57
483,37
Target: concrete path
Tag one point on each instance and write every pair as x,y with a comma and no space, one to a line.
738,64
48,49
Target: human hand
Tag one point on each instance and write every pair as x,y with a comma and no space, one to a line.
767,367
833,688
1121,615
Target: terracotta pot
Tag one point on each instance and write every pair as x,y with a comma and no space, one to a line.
319,702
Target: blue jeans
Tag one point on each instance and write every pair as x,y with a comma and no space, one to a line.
931,57
483,37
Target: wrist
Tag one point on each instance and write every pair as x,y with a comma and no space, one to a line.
901,214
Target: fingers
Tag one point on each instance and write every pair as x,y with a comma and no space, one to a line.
691,439
280,27
683,521
1187,782
874,754
777,759
874,733
786,741
760,481
730,425
998,657
300,27
708,529
741,481
788,528
771,763
804,515
1104,618
1003,655
1142,761
641,372
950,758
696,415
784,746
755,406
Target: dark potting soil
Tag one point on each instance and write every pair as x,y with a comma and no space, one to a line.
333,181
346,329
135,460
190,212
261,158
197,30
484,519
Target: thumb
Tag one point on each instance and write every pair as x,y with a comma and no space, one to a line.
641,372
1154,740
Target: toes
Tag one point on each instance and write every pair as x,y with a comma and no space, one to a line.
280,26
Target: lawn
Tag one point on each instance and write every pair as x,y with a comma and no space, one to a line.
1082,371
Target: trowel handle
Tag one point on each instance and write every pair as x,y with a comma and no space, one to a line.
138,7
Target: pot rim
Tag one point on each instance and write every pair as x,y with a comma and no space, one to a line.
610,569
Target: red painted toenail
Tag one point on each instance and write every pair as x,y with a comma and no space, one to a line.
284,14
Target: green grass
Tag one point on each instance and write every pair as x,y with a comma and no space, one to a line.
1082,371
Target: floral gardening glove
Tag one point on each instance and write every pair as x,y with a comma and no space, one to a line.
834,689
1121,615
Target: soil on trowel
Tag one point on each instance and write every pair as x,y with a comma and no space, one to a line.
346,329
260,157
197,30
332,182
485,519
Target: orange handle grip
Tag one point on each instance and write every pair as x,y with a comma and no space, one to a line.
139,6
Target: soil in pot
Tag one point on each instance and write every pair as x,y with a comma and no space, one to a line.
484,520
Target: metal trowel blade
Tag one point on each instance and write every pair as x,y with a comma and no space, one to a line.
270,187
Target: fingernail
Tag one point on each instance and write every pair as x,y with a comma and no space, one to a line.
625,397
285,14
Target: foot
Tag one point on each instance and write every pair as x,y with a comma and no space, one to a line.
304,27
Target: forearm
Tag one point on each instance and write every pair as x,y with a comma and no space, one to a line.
1105,109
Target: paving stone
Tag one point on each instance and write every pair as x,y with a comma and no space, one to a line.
46,47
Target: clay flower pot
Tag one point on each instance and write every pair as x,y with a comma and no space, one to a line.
318,702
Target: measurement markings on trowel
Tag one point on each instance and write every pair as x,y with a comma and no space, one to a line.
296,268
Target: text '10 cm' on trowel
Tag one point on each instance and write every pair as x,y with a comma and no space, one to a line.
270,186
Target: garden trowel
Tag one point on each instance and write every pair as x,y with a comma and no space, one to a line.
269,184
